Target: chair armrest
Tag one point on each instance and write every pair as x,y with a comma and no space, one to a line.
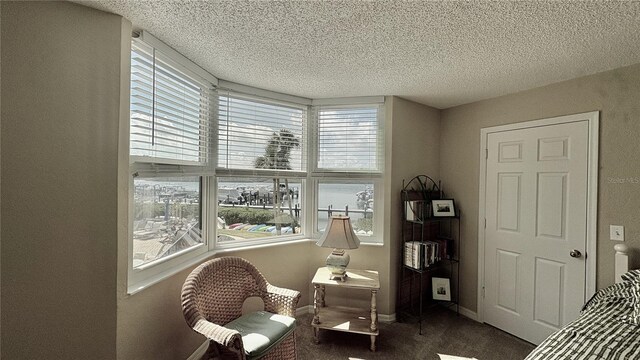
226,337
281,301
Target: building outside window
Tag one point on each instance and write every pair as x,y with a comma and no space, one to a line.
167,217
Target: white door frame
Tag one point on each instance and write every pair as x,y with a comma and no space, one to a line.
592,194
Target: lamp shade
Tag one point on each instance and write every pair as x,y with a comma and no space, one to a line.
339,234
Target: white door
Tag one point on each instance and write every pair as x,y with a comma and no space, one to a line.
536,216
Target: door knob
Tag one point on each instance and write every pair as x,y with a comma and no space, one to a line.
575,253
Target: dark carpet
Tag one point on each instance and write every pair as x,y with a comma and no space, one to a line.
443,332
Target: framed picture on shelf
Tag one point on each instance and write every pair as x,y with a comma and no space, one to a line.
441,288
443,208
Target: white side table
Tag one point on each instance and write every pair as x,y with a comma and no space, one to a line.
341,318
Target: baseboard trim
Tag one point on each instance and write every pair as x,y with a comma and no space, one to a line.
468,313
200,351
387,318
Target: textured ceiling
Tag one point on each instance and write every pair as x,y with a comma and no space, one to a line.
437,53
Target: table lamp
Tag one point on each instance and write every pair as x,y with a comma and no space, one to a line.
338,235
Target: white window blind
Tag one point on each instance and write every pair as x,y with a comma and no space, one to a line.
170,110
258,134
349,138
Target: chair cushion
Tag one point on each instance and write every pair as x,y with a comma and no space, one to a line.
261,331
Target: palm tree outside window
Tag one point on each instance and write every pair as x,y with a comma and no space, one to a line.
277,156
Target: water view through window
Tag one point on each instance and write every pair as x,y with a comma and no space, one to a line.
166,217
353,200
258,208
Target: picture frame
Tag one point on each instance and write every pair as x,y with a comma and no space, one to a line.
443,208
441,288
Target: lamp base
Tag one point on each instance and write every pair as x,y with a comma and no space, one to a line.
337,263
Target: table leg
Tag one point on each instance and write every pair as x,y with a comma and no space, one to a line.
316,304
322,304
373,343
374,312
316,311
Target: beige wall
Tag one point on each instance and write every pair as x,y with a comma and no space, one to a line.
415,133
615,94
61,91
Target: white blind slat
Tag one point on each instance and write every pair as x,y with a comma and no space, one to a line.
170,110
256,134
349,138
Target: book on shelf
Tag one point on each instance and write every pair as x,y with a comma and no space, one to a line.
422,255
414,254
432,253
414,210
446,247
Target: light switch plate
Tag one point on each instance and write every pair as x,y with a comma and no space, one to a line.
616,232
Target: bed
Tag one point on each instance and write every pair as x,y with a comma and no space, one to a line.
609,324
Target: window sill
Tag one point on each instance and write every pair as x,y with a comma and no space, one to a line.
375,244
141,285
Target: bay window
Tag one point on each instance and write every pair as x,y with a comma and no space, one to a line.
214,167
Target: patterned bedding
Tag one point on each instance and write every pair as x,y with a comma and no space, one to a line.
606,329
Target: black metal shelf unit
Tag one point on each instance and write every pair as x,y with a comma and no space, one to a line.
420,229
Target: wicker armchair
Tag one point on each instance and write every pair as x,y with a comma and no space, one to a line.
213,295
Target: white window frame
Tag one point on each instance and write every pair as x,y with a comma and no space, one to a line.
142,276
310,176
186,66
300,175
266,240
345,103
259,96
317,175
